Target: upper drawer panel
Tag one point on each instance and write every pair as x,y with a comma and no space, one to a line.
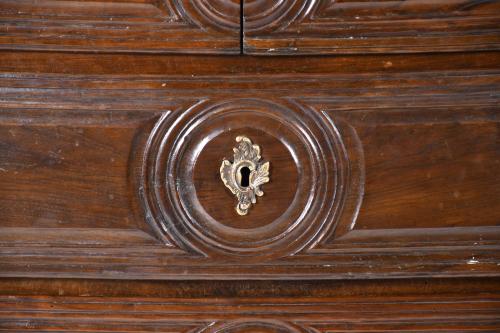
370,26
348,176
153,26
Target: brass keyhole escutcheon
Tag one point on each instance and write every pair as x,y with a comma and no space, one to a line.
246,174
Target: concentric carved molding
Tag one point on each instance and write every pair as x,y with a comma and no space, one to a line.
275,15
371,26
223,15
154,26
261,326
304,199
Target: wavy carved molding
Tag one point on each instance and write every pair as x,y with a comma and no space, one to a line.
373,26
153,26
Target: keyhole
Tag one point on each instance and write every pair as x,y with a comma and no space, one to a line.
245,176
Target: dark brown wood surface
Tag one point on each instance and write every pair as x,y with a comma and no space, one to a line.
369,26
131,26
469,305
411,157
74,129
382,213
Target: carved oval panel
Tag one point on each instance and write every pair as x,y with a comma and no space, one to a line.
189,205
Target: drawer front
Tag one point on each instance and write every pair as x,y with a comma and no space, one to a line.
370,26
130,26
125,176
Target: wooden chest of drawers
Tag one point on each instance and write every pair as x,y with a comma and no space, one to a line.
249,166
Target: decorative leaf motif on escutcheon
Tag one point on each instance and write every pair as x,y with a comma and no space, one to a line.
245,174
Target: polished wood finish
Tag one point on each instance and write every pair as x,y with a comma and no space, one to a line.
136,66
382,211
468,305
369,26
409,184
152,26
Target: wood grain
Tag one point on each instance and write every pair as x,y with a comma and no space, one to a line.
66,314
372,26
424,306
382,213
422,148
131,26
179,66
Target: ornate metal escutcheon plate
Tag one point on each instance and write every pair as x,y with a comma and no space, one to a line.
245,174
